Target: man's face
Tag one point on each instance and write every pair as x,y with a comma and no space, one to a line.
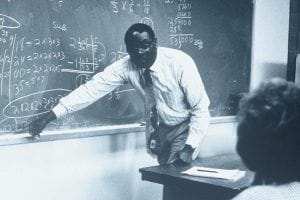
142,49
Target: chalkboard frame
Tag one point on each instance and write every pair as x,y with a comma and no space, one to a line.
54,135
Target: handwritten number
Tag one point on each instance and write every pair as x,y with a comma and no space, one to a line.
1,22
114,5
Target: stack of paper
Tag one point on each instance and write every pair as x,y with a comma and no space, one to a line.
232,175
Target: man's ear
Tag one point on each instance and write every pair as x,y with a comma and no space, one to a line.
128,48
155,41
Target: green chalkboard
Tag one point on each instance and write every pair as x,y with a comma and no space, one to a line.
50,47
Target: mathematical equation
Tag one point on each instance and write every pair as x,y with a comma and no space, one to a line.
130,6
180,24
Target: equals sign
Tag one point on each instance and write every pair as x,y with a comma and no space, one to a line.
28,71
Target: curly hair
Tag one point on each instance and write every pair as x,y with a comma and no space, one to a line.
269,131
140,28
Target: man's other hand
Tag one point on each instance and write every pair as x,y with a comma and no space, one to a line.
186,154
37,126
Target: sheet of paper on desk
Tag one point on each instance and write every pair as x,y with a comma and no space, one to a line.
232,175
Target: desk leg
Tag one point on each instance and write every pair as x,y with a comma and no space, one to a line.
174,192
169,193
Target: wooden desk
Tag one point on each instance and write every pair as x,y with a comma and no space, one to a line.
178,186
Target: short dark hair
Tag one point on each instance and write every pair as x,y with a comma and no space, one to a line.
269,131
140,28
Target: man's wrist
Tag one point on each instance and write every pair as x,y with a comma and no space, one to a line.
51,116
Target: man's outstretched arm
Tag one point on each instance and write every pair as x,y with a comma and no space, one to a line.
101,84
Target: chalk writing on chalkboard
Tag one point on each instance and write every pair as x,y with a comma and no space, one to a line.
50,47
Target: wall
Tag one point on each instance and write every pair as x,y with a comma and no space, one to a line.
293,67
270,40
106,167
94,168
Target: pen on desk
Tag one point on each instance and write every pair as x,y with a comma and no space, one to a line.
206,170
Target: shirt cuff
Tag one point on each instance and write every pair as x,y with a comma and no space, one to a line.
59,110
194,139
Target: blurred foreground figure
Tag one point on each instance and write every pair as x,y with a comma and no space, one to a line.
269,141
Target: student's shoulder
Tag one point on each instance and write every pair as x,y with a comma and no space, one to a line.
252,193
269,192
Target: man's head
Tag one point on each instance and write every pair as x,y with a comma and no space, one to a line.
141,45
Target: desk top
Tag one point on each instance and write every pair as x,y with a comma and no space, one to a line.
171,173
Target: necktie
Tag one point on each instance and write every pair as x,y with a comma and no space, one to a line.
151,111
147,77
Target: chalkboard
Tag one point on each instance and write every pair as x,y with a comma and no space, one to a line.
50,47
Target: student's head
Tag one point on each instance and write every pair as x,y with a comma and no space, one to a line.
141,45
269,131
